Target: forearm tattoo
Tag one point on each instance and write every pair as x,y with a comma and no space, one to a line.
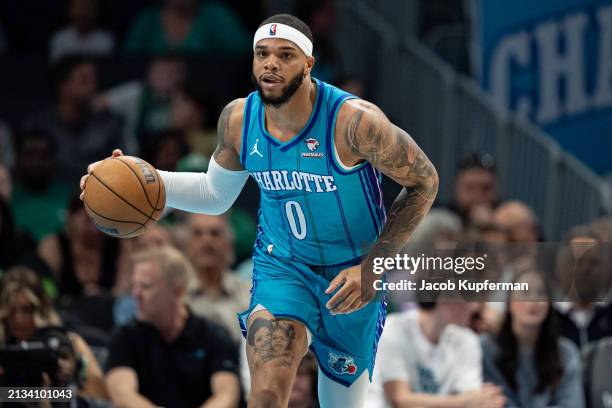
370,136
271,340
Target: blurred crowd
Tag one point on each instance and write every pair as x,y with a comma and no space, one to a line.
153,318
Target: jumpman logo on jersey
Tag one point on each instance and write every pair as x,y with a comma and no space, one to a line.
255,150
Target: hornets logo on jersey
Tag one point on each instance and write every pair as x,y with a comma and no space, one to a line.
313,209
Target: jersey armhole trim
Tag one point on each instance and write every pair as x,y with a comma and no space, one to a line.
335,158
246,119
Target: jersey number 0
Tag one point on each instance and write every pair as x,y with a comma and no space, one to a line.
293,209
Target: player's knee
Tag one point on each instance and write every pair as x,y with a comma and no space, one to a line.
265,399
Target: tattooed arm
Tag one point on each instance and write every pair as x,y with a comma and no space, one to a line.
216,191
364,133
370,136
229,128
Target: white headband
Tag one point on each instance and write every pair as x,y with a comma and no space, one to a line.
277,30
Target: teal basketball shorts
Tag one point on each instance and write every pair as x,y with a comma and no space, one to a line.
345,345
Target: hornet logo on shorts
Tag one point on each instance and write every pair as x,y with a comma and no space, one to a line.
312,144
273,29
341,364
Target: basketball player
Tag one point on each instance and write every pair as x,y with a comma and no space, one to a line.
317,154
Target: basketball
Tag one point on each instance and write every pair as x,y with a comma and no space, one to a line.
124,196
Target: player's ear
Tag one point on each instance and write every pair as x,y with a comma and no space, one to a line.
308,65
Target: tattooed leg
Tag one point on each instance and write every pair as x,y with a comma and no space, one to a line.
275,348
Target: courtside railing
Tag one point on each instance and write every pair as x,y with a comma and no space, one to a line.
450,117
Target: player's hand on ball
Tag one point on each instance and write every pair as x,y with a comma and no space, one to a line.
90,169
352,295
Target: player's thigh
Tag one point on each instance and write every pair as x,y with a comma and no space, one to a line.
275,347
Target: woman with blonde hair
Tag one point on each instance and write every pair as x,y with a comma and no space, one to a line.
25,309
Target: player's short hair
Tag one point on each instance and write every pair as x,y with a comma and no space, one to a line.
291,21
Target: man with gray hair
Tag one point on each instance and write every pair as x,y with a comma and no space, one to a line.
167,356
220,293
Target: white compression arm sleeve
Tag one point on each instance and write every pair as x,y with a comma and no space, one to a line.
211,193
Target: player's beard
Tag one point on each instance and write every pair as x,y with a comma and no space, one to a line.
286,94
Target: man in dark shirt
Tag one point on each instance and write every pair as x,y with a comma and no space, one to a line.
81,134
167,356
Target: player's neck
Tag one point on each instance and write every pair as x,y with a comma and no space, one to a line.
291,117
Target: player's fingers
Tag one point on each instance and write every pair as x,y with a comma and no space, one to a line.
83,181
92,167
349,305
343,306
335,283
359,304
82,196
338,297
117,152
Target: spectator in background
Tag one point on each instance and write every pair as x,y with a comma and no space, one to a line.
304,391
168,356
157,236
518,225
8,244
83,258
7,155
321,18
6,184
25,309
440,229
39,201
353,86
145,105
535,367
185,26
518,221
603,228
220,294
81,36
81,135
585,277
15,246
165,149
426,358
192,111
439,226
243,225
475,186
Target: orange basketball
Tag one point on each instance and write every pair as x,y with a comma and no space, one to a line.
124,196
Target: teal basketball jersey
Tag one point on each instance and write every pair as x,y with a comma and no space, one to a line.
313,210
